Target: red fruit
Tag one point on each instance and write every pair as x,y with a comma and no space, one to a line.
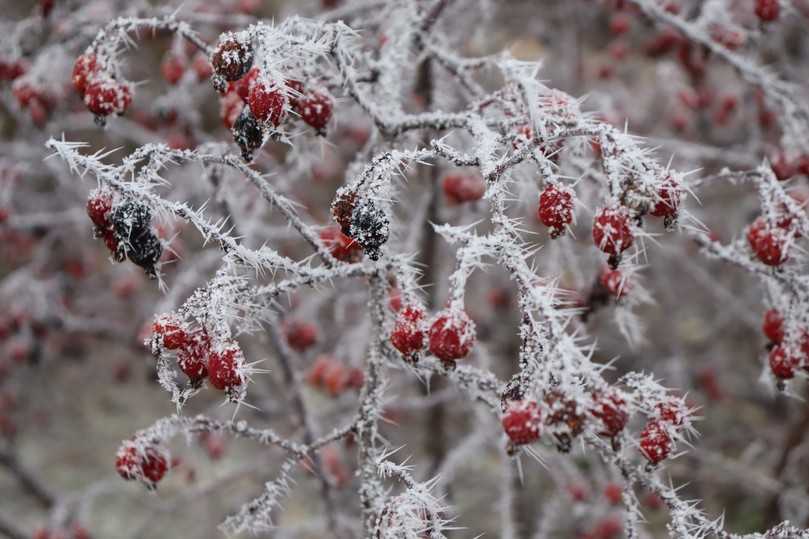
267,102
773,326
611,231
611,410
170,328
243,86
395,300
614,493
522,421
461,187
224,367
669,200
767,10
578,493
105,96
201,67
339,245
782,168
99,206
315,109
172,68
655,443
24,92
452,336
769,244
408,332
85,69
555,208
335,378
318,370
614,282
300,335
356,378
230,107
133,462
782,364
563,413
620,23
194,356
233,56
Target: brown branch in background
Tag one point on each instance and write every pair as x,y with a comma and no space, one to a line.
32,484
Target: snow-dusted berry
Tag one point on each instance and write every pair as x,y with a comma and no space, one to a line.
768,243
522,422
99,206
105,96
555,208
611,410
668,201
565,417
783,363
300,335
147,464
461,187
767,10
169,329
611,230
342,208
452,336
145,250
84,70
225,367
267,102
370,226
131,218
655,442
233,56
408,333
614,282
773,326
315,109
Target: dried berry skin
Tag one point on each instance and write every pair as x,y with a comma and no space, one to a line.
555,209
233,57
611,410
247,133
145,250
342,208
773,326
131,218
611,231
563,414
614,282
522,422
655,443
452,336
370,227
408,332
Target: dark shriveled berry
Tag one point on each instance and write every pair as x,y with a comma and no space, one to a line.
342,208
233,57
247,133
370,226
145,250
131,219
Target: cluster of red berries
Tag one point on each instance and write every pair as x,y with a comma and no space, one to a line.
175,65
102,93
199,358
334,376
461,187
450,336
770,243
147,464
12,69
656,439
783,359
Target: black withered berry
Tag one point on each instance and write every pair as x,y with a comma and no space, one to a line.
233,56
130,219
145,251
247,133
370,227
